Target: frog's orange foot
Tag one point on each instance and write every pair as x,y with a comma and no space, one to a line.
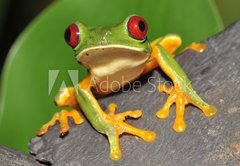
181,99
198,47
62,117
119,127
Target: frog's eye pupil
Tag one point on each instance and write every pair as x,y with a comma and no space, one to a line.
137,28
67,35
72,36
141,26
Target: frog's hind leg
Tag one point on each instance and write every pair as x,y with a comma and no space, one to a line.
181,93
65,98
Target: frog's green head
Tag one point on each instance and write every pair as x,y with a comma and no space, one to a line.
94,45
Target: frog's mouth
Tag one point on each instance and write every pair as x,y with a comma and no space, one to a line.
109,60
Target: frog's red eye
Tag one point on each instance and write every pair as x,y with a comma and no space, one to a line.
137,27
72,36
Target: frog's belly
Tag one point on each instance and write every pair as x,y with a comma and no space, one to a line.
106,84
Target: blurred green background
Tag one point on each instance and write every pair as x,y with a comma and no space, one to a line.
26,102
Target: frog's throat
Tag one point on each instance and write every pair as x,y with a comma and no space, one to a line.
110,64
117,56
104,48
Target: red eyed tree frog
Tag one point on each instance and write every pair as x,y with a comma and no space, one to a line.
111,53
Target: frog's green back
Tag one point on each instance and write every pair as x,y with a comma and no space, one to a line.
40,59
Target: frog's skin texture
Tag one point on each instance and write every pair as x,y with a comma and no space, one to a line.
113,52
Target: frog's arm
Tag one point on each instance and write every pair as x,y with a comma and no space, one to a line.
110,123
65,98
182,93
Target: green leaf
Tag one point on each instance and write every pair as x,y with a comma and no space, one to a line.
26,103
229,10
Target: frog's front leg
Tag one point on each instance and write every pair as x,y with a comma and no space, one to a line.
111,124
65,98
182,93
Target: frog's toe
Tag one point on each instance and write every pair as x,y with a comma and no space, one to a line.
116,155
42,131
145,135
180,99
164,112
62,117
122,116
179,125
45,127
115,152
149,136
133,114
209,110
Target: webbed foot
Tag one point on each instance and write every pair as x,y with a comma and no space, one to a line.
62,117
181,99
118,127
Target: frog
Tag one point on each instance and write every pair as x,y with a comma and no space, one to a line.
113,52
